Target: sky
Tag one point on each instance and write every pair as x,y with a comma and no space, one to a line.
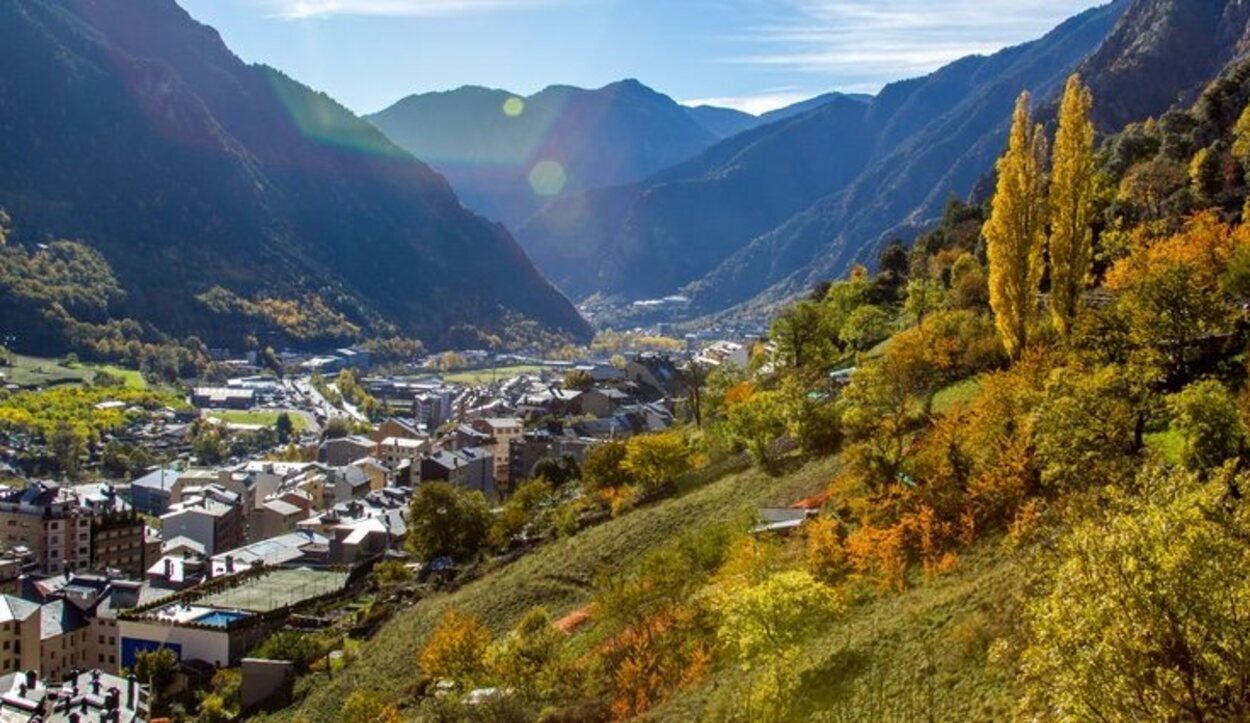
754,55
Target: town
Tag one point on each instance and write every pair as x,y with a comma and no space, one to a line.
215,548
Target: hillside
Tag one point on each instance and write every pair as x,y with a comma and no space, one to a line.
559,576
295,209
803,198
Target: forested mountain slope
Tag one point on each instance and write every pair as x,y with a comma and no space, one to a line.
231,201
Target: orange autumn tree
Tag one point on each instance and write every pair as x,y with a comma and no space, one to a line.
456,650
1182,288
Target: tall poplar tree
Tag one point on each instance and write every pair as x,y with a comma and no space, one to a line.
1015,233
1072,205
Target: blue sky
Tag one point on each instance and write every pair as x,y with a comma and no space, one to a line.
752,54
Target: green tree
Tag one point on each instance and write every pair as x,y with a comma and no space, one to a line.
604,467
284,427
207,445
1205,415
336,428
67,446
578,379
765,625
757,423
559,471
802,335
1144,618
1086,430
865,327
655,461
523,509
445,520
924,296
531,657
1015,232
1072,206
157,669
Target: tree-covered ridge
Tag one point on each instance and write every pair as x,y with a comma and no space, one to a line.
135,131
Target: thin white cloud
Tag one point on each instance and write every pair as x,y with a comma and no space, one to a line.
304,9
755,104
870,42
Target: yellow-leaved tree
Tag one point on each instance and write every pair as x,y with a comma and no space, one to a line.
1015,232
1072,205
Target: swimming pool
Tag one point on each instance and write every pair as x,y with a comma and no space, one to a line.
219,618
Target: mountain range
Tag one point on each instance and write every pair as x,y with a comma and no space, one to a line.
765,214
507,155
229,199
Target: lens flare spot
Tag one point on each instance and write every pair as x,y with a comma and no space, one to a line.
547,178
513,107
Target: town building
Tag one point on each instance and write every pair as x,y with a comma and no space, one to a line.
502,431
472,468
49,521
223,397
211,515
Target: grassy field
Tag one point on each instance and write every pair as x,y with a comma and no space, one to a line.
31,372
559,576
493,374
265,419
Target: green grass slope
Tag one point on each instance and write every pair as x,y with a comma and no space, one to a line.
559,576
915,656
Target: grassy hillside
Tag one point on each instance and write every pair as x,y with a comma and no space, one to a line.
559,576
33,372
919,655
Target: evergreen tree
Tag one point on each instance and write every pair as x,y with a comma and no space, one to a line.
1015,232
1071,202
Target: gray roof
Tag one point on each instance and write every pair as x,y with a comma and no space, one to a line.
158,479
59,617
14,608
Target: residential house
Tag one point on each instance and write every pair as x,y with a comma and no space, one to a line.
279,517
378,474
213,517
344,450
472,468
724,353
392,450
657,372
503,431
397,428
